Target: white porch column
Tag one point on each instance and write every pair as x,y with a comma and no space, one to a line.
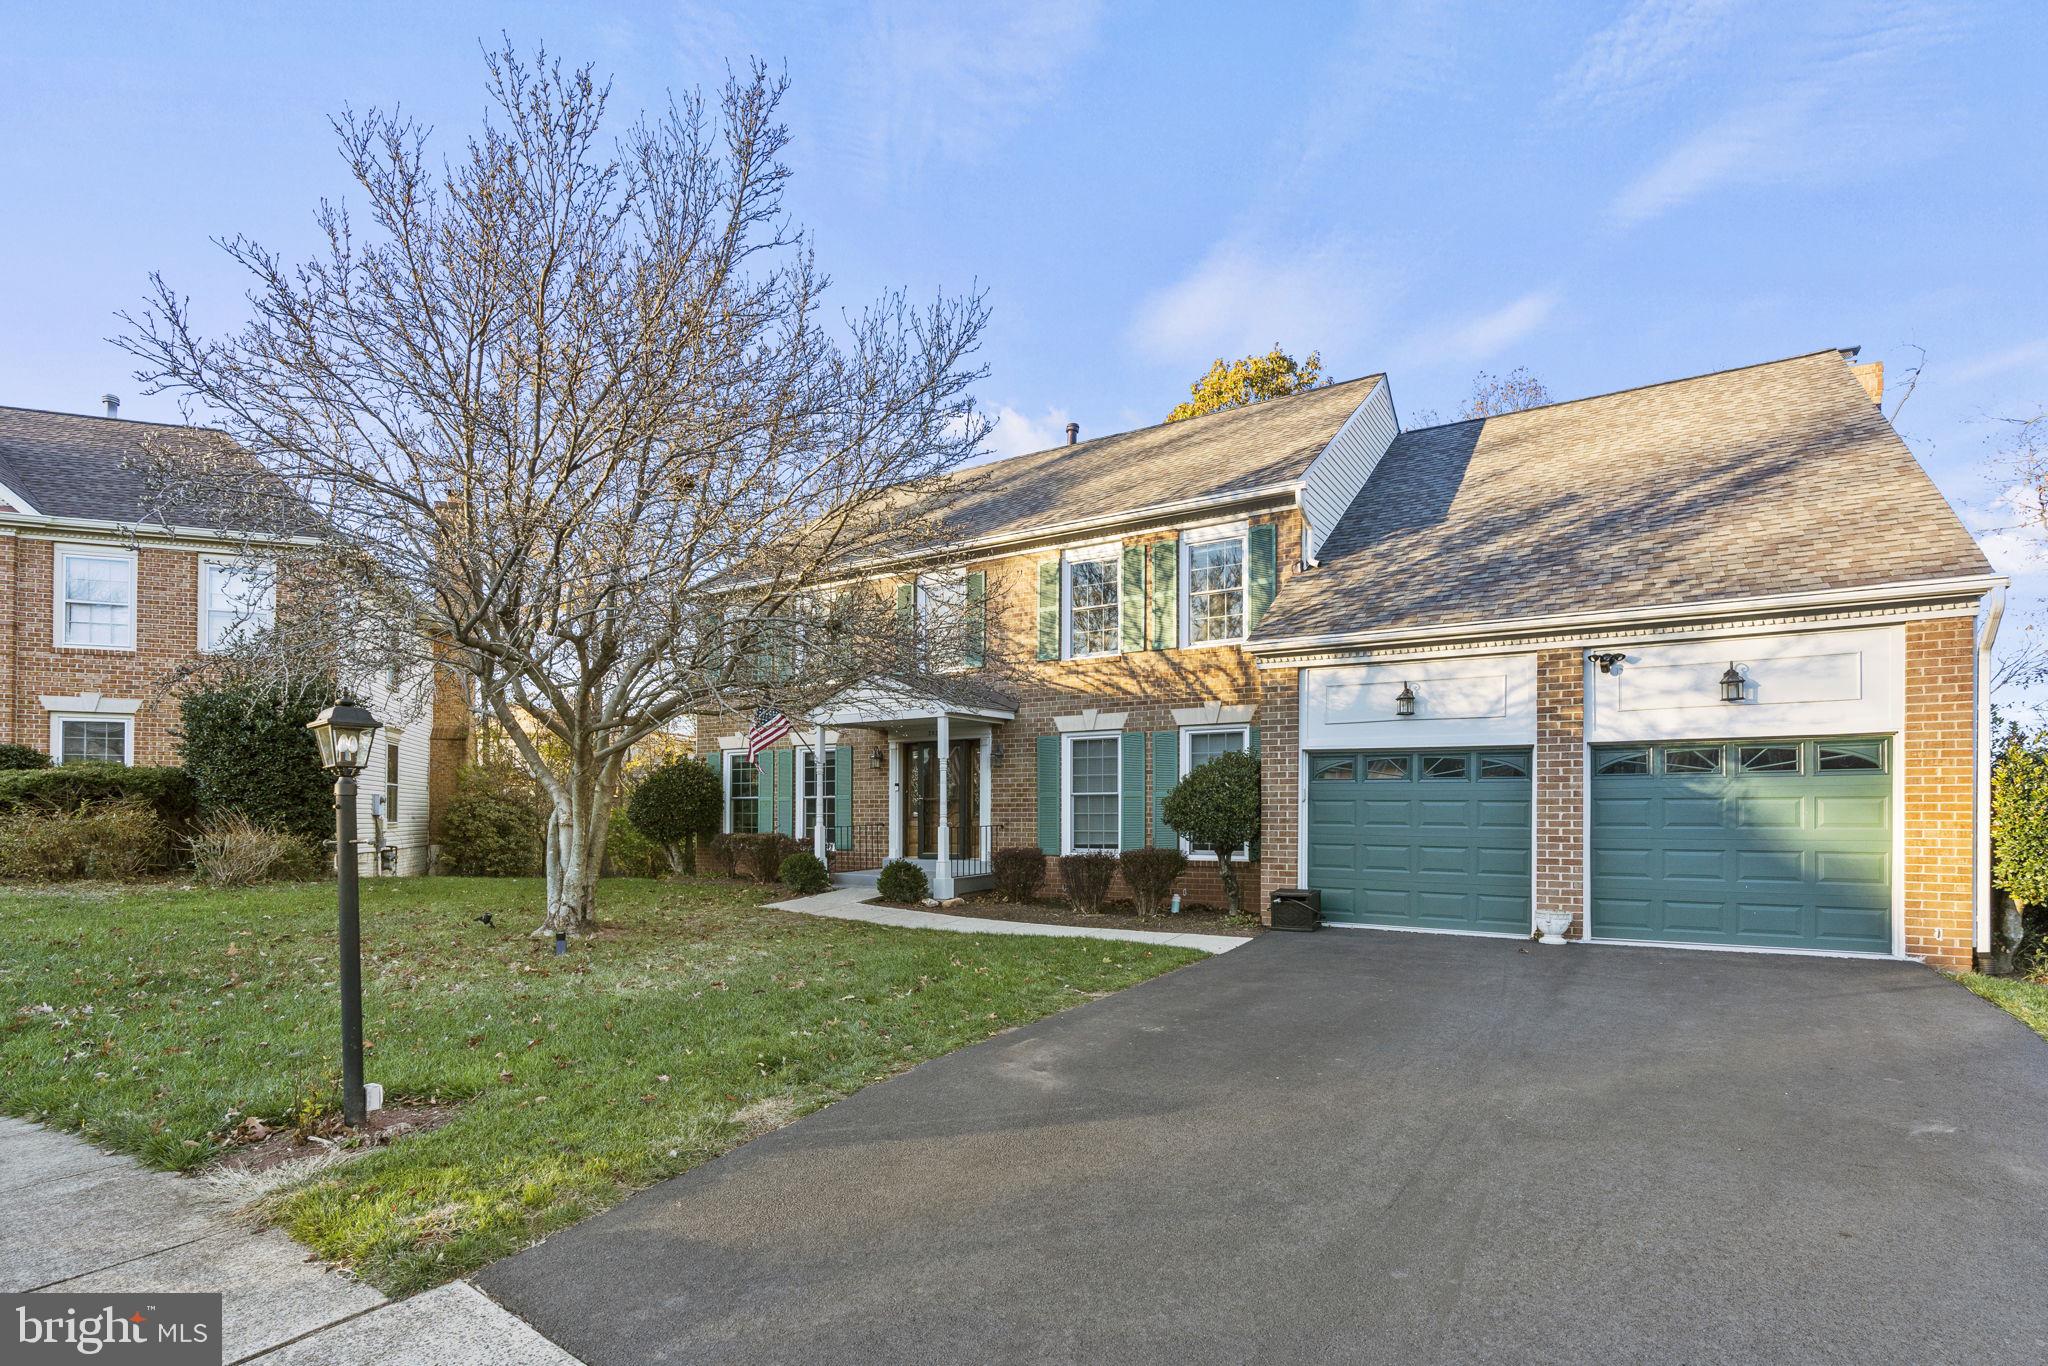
985,817
895,797
942,884
818,798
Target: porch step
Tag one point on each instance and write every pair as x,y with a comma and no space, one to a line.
866,878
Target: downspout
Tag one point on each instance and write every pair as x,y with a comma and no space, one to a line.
1987,635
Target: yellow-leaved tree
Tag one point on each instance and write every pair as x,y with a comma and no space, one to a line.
1234,384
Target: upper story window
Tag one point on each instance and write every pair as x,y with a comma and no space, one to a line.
236,601
96,599
1216,587
1094,610
942,620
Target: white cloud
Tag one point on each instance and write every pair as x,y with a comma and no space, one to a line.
1485,336
1017,434
1754,144
1243,297
2012,551
2033,354
1650,50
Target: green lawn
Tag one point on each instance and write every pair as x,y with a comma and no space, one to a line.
153,1019
2028,1001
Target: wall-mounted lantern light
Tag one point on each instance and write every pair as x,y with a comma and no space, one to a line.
1608,661
1731,683
1404,701
879,758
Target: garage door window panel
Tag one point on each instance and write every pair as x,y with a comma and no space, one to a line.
1500,766
1344,770
1383,768
1857,756
1692,759
1768,758
1621,763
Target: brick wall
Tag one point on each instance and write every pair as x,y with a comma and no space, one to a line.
1560,785
1280,775
1939,812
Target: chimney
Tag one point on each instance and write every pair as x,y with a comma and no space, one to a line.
113,402
1073,432
1871,376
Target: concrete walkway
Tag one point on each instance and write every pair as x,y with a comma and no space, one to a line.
849,903
82,1220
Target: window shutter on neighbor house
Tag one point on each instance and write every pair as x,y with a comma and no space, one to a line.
1049,794
1134,790
1165,773
1049,611
906,613
1262,548
785,791
974,651
1165,604
1132,599
842,797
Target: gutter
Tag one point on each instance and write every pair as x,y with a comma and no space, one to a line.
106,527
1987,636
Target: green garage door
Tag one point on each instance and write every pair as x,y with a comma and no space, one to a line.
1431,839
1779,844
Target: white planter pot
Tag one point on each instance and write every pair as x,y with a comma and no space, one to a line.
1552,925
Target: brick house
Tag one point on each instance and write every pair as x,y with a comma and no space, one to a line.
1700,664
101,602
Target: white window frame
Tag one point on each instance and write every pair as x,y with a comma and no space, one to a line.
955,581
1209,535
126,720
804,795
1067,789
268,614
725,775
57,577
1187,749
1114,553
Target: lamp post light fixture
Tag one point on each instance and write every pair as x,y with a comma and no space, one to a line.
1731,683
345,733
1404,701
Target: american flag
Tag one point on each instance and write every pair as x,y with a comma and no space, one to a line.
770,725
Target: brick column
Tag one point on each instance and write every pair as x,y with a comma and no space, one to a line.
1560,785
1279,782
1940,815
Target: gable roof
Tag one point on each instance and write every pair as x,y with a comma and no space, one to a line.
1778,478
91,468
1241,451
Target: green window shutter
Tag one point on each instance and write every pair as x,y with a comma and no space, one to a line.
975,647
906,607
1049,610
1134,789
1252,742
785,791
1165,603
1131,601
1165,773
842,797
1049,794
1262,548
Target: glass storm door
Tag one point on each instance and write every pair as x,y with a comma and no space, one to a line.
921,798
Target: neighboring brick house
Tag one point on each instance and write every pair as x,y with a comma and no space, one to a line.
1698,663
102,601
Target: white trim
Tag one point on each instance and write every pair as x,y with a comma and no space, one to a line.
1113,552
91,704
268,615
1987,636
56,528
1746,948
1213,714
1187,734
737,740
1499,626
1427,929
21,504
126,720
725,802
957,575
807,838
65,549
1067,789
1089,720
1184,605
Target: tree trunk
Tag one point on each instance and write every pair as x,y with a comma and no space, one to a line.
575,852
687,863
1226,864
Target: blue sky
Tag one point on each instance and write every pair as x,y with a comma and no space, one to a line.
1609,195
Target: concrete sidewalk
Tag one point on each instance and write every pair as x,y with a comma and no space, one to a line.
82,1220
850,903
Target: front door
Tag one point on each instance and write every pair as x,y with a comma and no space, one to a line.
921,798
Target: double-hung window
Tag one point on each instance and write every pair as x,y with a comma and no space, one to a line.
96,599
942,620
391,784
236,601
820,797
1094,793
1094,621
1199,745
1216,586
742,794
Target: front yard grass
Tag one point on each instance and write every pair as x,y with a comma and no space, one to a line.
154,1019
2026,1001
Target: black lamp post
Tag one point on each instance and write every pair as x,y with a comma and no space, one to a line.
345,732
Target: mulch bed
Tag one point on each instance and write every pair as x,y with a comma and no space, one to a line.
1117,916
260,1148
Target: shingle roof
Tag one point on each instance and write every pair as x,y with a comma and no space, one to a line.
68,465
1777,478
1236,451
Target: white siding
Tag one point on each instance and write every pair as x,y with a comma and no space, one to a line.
1333,479
1810,683
408,719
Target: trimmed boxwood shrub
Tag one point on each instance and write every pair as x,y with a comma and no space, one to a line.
1086,878
168,792
248,750
1019,873
804,874
1150,874
902,880
494,824
675,806
22,756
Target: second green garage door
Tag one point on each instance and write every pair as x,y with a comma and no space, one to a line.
1775,844
1428,839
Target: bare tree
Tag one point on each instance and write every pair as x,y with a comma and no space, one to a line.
574,418
1492,394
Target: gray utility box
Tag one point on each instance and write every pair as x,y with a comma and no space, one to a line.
1296,908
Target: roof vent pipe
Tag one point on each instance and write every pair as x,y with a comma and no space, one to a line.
1073,432
113,402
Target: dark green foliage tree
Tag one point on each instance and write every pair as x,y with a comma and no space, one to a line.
22,756
903,881
804,874
1216,807
248,750
169,792
493,824
675,806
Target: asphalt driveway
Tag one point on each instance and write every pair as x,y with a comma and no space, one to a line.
1377,1146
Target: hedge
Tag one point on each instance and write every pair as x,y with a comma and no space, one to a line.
169,792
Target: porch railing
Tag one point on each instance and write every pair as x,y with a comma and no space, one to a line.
980,861
868,849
